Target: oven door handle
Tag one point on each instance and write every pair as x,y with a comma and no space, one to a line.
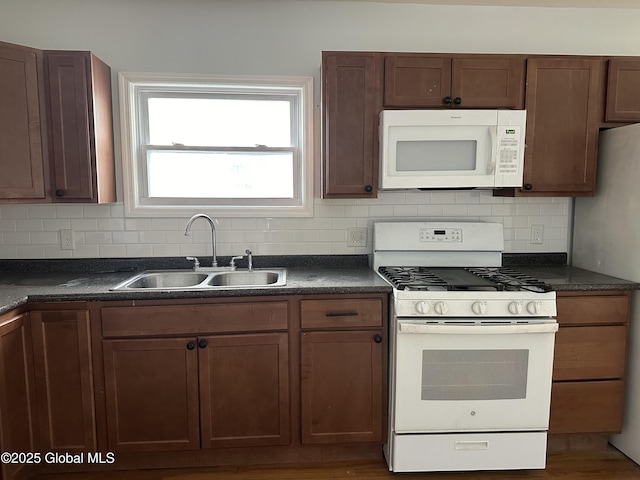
466,329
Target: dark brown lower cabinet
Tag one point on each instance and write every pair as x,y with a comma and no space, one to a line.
587,394
342,387
151,389
189,393
244,390
17,393
64,380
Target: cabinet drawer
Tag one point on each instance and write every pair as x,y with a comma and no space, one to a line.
593,309
353,312
584,353
194,319
586,407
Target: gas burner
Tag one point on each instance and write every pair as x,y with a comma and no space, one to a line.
511,279
461,279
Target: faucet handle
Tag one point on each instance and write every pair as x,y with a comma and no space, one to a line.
233,261
196,262
249,258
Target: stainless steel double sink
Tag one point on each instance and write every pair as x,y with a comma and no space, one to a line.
201,280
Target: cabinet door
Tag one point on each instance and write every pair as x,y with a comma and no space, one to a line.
22,170
562,125
64,380
586,407
17,395
623,91
342,387
351,104
79,92
483,82
417,81
244,390
151,390
590,353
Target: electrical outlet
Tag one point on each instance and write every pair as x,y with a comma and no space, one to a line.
537,234
357,237
66,240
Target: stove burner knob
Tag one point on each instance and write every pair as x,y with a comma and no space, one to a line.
479,308
533,308
441,308
515,308
422,307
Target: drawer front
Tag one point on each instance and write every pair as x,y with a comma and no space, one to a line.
194,319
584,353
593,309
586,407
343,313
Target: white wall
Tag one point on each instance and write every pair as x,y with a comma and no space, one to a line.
286,37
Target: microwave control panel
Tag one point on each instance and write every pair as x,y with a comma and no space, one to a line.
509,146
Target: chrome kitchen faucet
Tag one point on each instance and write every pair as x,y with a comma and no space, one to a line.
187,232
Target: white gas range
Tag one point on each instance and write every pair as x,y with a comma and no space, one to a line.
471,350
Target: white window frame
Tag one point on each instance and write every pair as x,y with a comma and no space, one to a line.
133,86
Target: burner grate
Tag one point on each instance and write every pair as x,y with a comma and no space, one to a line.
461,279
414,278
511,279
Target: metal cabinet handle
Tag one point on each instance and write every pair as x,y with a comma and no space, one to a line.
202,343
377,338
528,186
447,100
457,100
368,188
59,193
341,314
191,346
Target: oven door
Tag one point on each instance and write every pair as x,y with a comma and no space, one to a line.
458,377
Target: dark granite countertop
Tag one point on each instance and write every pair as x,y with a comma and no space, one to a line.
44,281
568,278
19,288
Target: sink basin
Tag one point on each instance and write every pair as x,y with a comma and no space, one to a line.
245,278
167,280
184,280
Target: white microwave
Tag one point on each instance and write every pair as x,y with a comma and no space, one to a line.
451,148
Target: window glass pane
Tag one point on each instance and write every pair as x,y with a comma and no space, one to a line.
218,122
220,174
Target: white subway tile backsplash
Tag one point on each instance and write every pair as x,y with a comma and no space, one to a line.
111,224
29,225
84,224
14,211
70,211
42,211
56,224
103,231
108,251
16,238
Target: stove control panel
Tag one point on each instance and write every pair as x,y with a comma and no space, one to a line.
475,306
440,235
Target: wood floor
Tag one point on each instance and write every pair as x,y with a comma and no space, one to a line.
607,464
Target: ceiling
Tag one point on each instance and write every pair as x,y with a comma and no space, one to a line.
522,3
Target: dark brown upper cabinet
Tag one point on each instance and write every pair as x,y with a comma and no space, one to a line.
623,90
563,97
22,152
351,103
470,81
78,88
56,129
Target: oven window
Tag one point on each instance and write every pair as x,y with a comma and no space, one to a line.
474,374
436,155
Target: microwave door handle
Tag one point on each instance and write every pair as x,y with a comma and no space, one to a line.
492,164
